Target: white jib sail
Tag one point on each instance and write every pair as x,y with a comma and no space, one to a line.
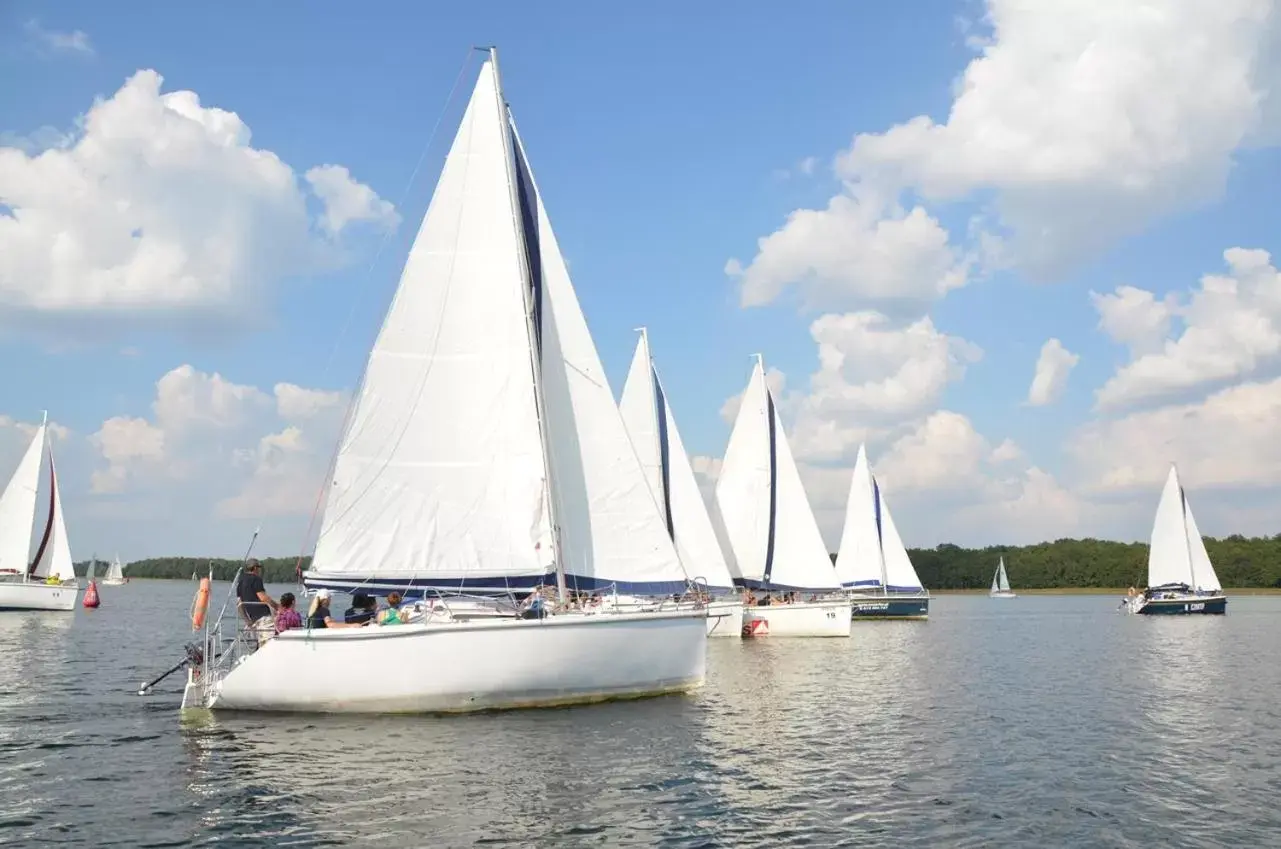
440,475
900,574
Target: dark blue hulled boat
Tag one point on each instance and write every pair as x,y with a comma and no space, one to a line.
872,562
1181,579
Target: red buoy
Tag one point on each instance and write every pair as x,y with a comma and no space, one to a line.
91,595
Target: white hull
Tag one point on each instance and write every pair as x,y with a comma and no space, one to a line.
112,583
725,618
36,595
999,594
828,618
456,667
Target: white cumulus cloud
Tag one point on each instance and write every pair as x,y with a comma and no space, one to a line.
1052,369
1231,328
161,207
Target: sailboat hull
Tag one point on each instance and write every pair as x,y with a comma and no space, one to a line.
828,618
891,607
1002,594
460,667
35,595
1216,605
725,618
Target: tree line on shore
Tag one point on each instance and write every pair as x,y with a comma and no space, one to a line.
1239,561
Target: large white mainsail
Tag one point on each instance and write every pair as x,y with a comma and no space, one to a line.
872,557
1177,552
484,448
667,467
610,531
773,538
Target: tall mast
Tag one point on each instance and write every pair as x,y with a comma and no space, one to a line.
880,538
767,573
535,348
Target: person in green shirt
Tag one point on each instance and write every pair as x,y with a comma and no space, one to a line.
391,616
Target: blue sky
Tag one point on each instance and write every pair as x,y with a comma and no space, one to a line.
666,144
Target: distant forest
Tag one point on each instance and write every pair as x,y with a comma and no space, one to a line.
1239,562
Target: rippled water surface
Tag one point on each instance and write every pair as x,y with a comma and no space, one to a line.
1050,721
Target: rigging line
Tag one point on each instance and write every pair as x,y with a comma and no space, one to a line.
351,310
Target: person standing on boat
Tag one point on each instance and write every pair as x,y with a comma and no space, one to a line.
254,601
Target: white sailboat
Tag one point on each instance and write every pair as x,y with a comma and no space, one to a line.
872,562
1181,578
115,574
45,580
484,453
775,548
662,455
1001,583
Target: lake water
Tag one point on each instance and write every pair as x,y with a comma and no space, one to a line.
1050,721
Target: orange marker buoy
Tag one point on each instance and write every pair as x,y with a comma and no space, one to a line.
91,595
199,605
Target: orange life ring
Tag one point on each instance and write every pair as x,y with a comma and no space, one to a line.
200,605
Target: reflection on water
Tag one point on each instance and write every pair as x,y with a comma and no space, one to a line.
1050,721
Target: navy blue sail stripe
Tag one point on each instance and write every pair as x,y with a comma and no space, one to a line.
437,585
664,452
529,227
876,506
773,488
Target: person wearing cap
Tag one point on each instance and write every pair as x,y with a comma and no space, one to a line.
254,601
318,616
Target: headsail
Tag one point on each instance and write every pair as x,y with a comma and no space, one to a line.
662,455
440,478
859,560
772,534
1003,578
18,507
900,574
53,556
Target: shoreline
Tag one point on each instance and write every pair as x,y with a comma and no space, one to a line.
1118,591
1231,591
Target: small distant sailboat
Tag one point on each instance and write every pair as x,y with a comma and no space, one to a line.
872,561
115,574
772,539
1001,583
47,581
652,429
1181,578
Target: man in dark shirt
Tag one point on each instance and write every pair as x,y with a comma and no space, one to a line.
363,609
254,601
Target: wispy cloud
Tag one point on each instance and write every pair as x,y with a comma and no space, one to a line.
55,41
